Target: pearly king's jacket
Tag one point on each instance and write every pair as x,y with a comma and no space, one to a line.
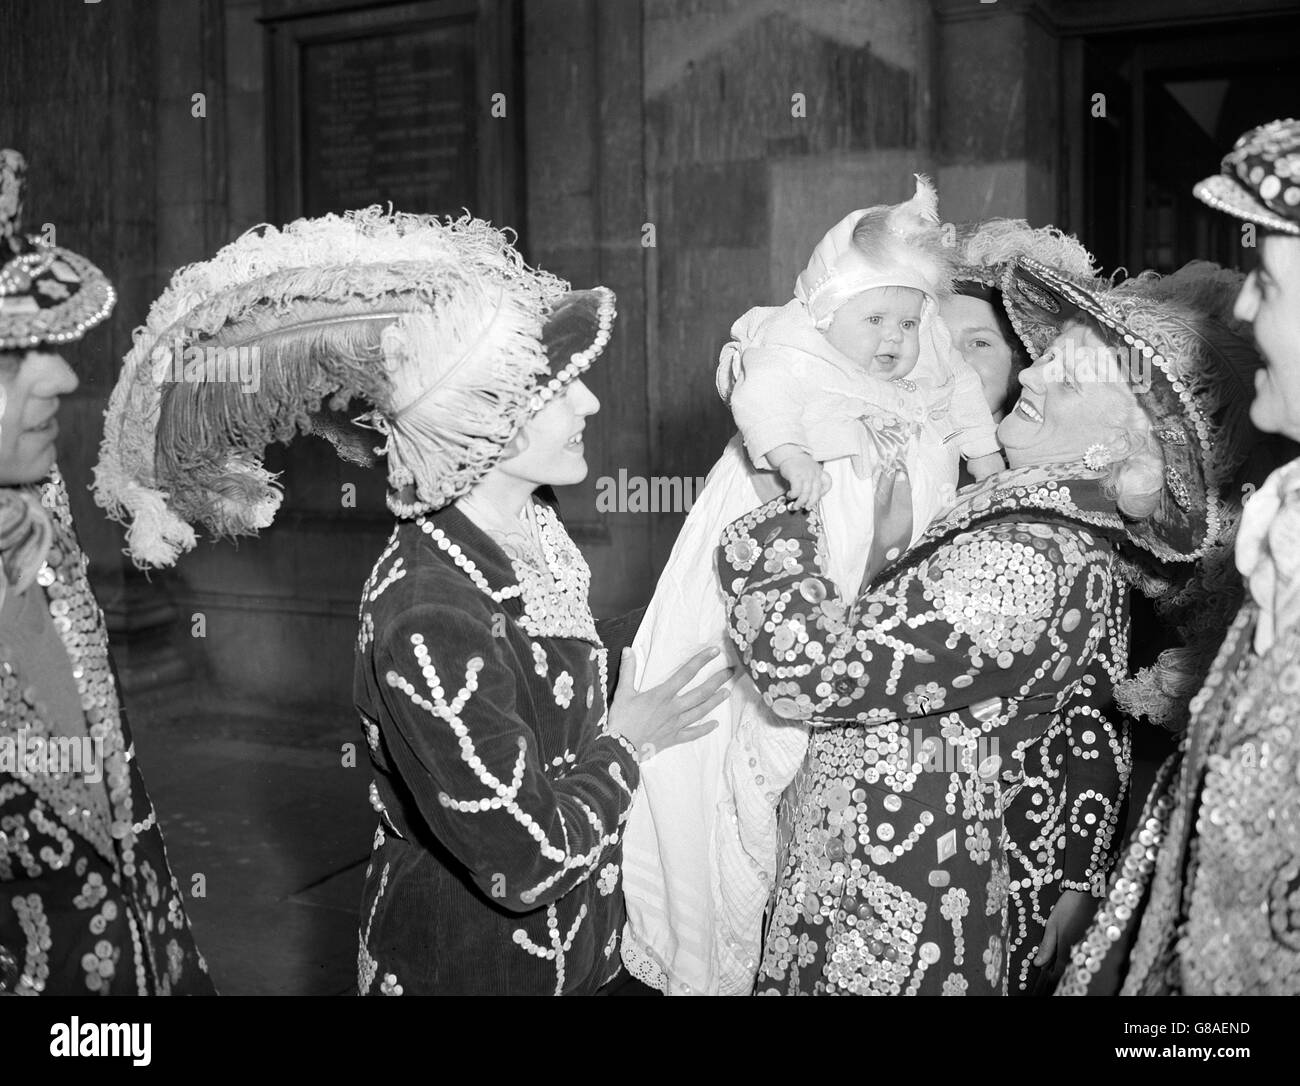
501,797
963,770
88,902
1206,900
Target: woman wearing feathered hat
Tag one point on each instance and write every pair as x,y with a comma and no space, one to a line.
88,902
1206,894
956,819
501,778
852,385
974,314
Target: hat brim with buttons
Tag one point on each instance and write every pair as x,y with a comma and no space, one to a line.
1259,181
575,334
49,295
1190,366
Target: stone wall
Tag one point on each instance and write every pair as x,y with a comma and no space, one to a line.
999,126
765,123
79,96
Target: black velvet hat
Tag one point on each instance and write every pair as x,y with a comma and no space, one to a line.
48,295
1190,364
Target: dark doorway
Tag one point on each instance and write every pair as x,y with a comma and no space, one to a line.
1175,100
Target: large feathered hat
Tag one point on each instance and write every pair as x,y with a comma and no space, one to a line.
898,245
48,295
433,334
1190,364
985,249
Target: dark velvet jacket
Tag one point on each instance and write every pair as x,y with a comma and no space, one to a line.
500,796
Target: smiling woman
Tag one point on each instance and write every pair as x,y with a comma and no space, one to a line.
975,315
501,773
1076,404
548,451
959,703
852,392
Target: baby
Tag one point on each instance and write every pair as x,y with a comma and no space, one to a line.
878,332
853,394
854,386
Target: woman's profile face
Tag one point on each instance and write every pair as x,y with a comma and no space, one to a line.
31,383
977,335
1074,396
552,450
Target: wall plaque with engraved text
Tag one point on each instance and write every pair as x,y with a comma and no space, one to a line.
378,105
395,104
391,117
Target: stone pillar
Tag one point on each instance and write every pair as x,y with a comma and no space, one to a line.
80,103
766,122
585,205
998,110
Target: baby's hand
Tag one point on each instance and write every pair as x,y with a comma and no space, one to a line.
981,467
806,480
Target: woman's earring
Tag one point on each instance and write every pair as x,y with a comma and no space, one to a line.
1097,456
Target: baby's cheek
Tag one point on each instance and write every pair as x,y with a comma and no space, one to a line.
856,341
867,348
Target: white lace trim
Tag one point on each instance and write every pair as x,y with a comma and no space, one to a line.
641,962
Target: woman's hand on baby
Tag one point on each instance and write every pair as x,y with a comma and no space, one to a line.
981,467
665,715
807,482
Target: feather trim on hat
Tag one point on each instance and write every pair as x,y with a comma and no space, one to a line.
353,445
987,246
1200,608
461,378
1212,355
208,426
1163,692
270,279
1205,347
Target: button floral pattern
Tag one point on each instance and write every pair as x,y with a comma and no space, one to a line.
945,802
498,690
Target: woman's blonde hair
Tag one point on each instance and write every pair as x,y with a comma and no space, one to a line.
1135,476
1135,479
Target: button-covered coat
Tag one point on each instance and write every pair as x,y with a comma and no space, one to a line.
1205,901
88,902
963,770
